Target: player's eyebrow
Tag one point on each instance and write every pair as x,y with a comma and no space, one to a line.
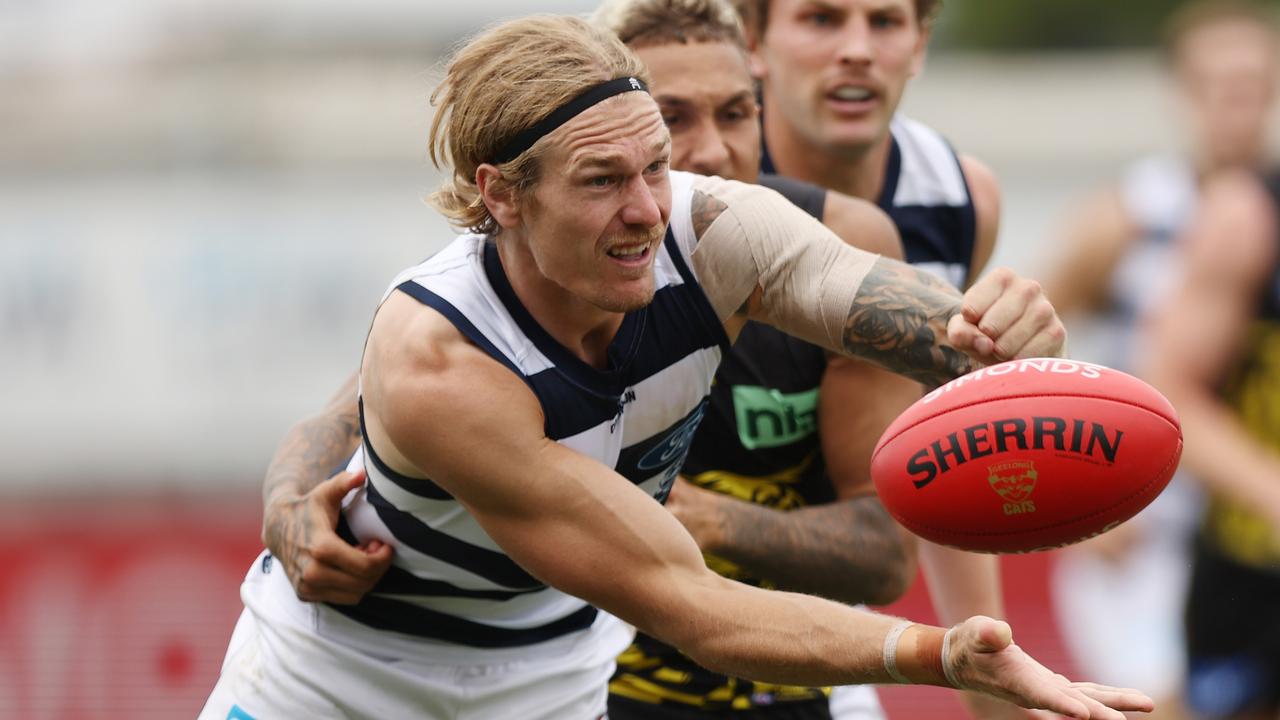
614,159
741,96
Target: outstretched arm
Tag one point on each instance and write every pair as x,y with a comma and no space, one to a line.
439,407
300,507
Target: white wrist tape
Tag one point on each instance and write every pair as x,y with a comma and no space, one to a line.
890,651
947,668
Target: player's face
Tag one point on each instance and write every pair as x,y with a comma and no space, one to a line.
708,102
1228,73
602,202
835,70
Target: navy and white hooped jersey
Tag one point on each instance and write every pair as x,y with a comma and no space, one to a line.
927,197
450,582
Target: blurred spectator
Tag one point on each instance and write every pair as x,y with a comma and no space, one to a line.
1124,591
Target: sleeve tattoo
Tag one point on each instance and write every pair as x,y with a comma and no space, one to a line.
899,320
850,550
314,448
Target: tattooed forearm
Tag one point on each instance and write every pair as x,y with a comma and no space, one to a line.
899,320
314,447
849,550
704,209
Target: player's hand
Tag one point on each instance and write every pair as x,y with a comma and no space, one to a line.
985,707
696,509
1005,317
983,657
300,531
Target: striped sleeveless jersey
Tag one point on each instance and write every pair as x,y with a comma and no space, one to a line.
450,582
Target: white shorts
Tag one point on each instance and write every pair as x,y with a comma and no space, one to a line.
855,702
289,659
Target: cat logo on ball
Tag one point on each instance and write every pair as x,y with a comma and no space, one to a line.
1014,481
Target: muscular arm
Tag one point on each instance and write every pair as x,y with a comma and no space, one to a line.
438,407
1199,332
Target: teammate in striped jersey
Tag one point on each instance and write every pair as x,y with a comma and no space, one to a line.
527,392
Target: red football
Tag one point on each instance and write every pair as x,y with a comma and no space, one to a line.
1027,455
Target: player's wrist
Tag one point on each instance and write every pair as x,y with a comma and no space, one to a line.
915,654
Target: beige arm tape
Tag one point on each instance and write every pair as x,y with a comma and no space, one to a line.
808,275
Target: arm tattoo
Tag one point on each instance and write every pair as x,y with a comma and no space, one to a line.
311,451
899,320
848,550
704,211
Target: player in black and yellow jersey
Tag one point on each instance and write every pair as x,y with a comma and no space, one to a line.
1216,352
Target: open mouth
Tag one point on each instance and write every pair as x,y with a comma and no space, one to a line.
854,97
630,254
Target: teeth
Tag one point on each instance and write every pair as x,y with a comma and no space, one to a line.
628,252
852,93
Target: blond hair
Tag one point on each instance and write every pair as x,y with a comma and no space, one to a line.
646,23
501,82
755,14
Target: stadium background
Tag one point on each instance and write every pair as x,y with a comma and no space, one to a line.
199,206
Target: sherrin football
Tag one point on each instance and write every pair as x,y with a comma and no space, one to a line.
1027,455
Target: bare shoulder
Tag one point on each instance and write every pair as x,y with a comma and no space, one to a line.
862,224
429,391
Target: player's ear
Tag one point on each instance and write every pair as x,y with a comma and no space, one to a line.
498,194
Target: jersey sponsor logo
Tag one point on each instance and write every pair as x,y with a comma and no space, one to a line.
1078,438
673,448
770,418
1014,481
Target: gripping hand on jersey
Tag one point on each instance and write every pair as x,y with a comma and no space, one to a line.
300,532
1006,317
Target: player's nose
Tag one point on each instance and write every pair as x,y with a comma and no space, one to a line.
709,154
640,207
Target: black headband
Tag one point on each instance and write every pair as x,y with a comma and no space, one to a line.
563,114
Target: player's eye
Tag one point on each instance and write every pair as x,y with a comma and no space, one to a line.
600,181
820,18
656,166
882,21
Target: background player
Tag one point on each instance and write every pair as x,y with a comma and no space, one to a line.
1124,592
